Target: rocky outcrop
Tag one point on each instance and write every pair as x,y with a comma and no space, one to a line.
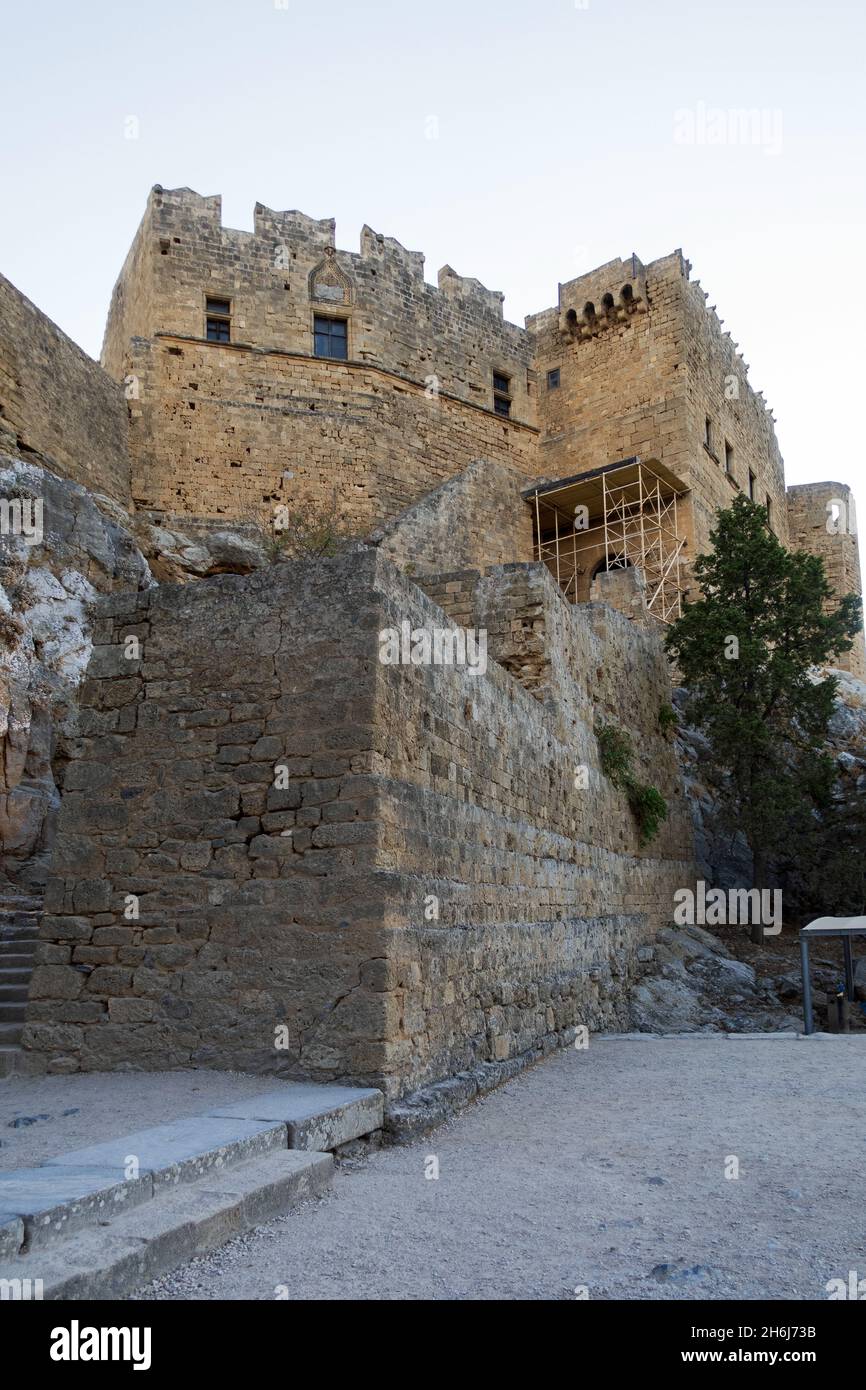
49,576
847,731
697,986
180,551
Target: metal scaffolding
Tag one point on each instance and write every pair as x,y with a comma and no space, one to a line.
623,515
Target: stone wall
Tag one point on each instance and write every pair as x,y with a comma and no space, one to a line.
58,402
477,518
229,431
308,907
822,520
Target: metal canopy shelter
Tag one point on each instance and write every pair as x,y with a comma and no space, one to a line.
626,514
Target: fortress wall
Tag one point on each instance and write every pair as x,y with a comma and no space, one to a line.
718,389
476,518
228,431
130,312
58,402
407,783
543,893
288,269
822,520
171,797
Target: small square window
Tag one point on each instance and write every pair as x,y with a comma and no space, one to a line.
218,331
331,337
501,393
553,379
218,320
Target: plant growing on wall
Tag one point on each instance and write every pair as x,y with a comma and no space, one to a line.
306,530
647,804
749,652
667,718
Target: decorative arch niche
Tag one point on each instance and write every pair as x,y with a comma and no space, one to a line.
329,284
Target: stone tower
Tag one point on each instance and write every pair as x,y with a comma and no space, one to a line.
822,520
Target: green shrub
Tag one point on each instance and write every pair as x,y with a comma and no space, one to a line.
667,718
646,803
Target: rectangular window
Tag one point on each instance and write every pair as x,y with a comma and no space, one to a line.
708,433
752,481
331,337
769,512
218,320
553,379
729,457
501,393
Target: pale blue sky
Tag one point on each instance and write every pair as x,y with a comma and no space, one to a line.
557,146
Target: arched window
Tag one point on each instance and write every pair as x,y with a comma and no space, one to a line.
626,294
605,564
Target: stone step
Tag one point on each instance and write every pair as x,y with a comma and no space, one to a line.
140,1243
17,960
318,1117
10,1033
16,974
12,1011
74,1189
12,993
24,931
180,1151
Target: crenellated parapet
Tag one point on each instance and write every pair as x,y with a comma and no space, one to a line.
605,298
276,280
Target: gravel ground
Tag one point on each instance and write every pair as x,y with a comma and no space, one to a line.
602,1170
45,1116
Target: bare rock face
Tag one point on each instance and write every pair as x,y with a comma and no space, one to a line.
697,987
723,859
847,732
180,551
76,547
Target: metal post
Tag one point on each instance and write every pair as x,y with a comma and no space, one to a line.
807,985
849,968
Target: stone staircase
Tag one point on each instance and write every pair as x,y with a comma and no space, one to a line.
19,929
92,1223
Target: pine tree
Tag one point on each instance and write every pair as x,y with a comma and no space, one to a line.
749,652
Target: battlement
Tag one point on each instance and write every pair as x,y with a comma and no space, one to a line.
172,208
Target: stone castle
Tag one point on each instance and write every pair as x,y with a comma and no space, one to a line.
273,850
